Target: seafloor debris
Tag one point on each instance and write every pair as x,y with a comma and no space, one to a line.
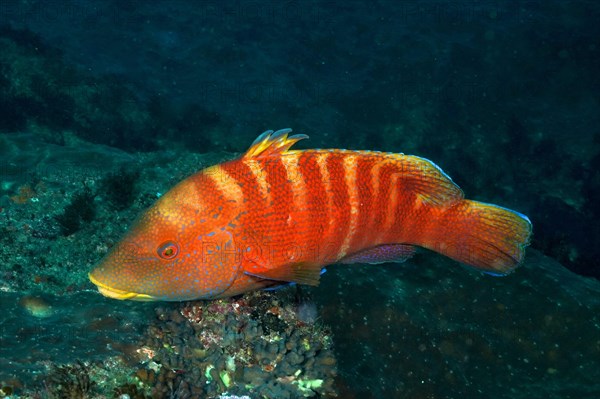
36,306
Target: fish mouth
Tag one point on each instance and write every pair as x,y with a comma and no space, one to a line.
114,293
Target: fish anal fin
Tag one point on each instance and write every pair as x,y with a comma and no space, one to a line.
302,273
381,254
273,143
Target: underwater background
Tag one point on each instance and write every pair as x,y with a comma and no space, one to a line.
105,105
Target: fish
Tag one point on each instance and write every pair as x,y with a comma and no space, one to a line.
277,215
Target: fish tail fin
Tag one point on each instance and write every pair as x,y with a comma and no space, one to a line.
485,236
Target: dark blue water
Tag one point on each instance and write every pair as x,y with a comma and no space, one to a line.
106,105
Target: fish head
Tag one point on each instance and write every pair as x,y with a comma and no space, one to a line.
166,256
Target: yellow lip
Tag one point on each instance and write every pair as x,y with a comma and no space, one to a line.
118,294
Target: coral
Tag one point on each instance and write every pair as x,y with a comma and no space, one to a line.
130,391
119,188
254,345
81,209
70,381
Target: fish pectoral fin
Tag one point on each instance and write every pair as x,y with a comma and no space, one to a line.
302,273
381,254
273,143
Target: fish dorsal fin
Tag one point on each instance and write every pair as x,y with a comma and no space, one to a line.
273,143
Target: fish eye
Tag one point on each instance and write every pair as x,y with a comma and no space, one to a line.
168,250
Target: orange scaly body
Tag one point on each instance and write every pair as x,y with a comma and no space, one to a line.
278,215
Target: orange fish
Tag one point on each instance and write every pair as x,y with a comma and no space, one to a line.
276,216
